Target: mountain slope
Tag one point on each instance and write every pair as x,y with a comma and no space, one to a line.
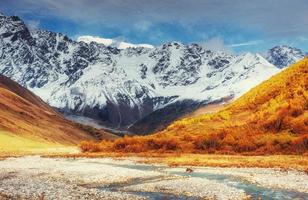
25,117
12,86
162,118
283,56
120,87
270,118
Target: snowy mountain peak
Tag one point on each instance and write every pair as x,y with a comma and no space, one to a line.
101,79
88,39
283,55
111,42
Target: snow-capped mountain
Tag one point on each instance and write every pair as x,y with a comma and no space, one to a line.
122,86
111,42
282,56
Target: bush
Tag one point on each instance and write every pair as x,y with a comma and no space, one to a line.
229,140
300,145
283,141
207,143
88,146
171,144
126,143
245,144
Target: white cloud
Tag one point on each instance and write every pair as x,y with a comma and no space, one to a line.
303,38
216,44
249,43
116,42
275,17
143,26
33,24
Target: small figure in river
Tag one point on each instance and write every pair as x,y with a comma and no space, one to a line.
189,170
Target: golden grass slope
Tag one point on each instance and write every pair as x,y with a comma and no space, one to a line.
271,118
29,120
14,145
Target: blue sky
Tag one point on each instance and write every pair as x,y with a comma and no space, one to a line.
231,25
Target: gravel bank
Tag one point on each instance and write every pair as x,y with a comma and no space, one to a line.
196,187
34,177
271,178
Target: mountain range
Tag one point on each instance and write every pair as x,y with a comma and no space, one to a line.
129,88
272,118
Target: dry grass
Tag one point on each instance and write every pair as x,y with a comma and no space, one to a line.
10,142
13,145
210,160
284,162
210,108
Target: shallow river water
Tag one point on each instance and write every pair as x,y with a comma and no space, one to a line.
253,190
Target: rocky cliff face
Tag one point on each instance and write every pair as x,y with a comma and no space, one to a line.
121,86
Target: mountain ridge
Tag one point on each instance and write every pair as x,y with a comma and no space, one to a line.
121,87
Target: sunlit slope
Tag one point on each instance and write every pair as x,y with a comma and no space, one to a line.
25,115
12,143
270,118
278,105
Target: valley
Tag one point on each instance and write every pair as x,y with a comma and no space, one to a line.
96,118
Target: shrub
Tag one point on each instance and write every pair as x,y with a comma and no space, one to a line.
171,144
135,147
300,145
283,141
88,146
207,142
126,143
153,144
245,144
187,137
229,140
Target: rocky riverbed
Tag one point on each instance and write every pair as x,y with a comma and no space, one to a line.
35,177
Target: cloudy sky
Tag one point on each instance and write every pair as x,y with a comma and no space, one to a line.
232,25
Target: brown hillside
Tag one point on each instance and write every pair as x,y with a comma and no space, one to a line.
23,114
14,87
270,118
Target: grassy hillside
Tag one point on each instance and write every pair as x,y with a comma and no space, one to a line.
270,118
26,119
12,144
